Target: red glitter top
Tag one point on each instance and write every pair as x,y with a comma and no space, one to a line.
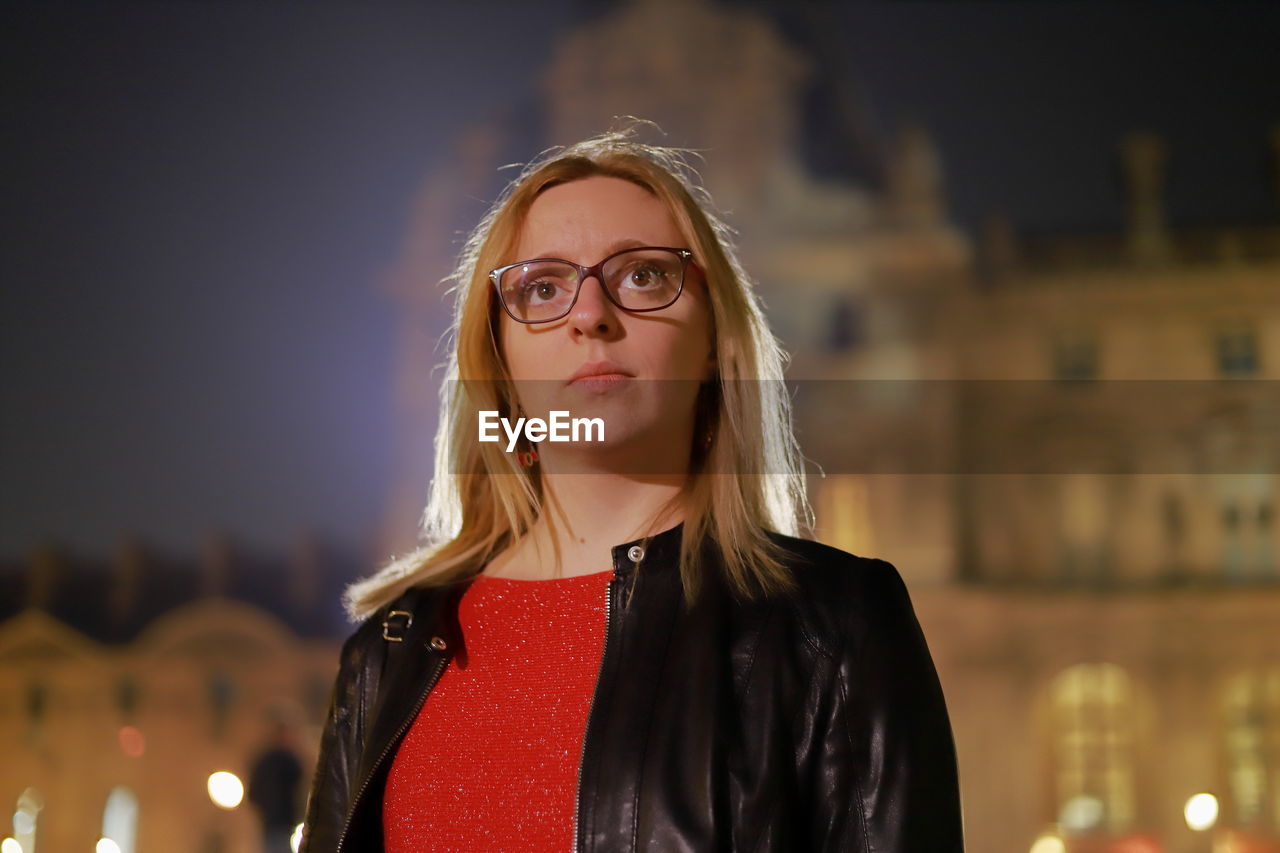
491,760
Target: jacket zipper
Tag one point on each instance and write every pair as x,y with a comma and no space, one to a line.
373,771
608,619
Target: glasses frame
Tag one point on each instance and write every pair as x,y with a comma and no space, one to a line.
596,271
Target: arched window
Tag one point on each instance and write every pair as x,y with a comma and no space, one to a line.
1251,717
120,819
1092,711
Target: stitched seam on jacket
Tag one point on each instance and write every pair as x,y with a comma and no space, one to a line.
755,650
810,636
843,690
812,641
802,708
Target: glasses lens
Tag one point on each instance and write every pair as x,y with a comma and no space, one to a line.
638,279
539,290
645,278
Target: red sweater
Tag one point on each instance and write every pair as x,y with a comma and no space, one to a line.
491,761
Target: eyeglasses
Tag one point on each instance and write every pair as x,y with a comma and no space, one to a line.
649,278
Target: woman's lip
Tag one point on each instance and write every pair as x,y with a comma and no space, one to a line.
600,381
601,376
603,367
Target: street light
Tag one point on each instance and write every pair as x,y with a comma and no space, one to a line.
1201,812
225,789
1048,843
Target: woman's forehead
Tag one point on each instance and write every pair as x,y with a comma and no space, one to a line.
592,213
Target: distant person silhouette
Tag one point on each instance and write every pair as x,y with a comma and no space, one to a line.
274,790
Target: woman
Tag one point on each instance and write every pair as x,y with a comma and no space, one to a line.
621,643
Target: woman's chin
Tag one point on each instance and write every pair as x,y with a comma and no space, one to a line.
621,455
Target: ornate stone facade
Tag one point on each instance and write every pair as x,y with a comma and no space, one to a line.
131,682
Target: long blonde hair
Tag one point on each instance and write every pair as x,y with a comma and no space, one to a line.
481,500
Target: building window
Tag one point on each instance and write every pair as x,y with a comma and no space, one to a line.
37,702
1251,712
1173,514
1266,550
1092,708
127,697
1246,527
222,695
1075,355
120,819
1232,543
845,324
1082,528
1237,349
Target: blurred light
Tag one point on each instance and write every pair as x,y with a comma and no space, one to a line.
225,789
295,840
106,845
10,845
1081,813
24,822
1048,843
132,741
1201,811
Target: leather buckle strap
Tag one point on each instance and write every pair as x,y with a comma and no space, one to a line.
395,625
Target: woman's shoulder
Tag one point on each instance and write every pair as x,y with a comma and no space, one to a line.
825,568
838,593
371,629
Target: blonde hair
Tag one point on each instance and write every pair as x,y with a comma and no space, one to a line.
481,500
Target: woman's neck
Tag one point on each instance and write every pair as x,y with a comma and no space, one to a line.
586,515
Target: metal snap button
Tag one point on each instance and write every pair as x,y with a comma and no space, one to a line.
439,644
636,554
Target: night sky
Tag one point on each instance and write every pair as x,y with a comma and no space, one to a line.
200,200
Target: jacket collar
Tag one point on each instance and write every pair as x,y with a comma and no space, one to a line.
659,551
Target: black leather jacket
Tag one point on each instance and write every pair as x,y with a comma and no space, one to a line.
806,722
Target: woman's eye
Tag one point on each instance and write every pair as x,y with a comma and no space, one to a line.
541,289
645,275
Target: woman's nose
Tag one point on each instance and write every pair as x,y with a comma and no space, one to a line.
593,312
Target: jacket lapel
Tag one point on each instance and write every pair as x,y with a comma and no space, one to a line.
410,666
630,678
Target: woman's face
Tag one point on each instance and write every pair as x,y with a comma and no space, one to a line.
585,221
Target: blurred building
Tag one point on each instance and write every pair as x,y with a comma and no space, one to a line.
1033,428
126,684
